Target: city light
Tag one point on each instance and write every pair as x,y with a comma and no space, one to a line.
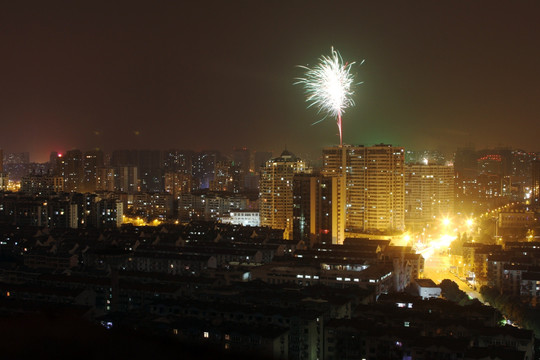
157,172
446,221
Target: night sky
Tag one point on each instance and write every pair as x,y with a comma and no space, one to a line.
214,75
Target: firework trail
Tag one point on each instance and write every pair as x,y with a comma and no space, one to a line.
329,86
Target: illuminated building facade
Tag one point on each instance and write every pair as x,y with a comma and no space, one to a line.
276,191
211,206
105,179
244,218
107,213
368,189
178,182
429,193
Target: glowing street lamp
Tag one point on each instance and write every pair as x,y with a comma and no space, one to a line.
446,221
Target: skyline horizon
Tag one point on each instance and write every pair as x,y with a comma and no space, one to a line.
44,158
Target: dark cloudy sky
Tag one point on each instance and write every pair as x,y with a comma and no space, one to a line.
204,74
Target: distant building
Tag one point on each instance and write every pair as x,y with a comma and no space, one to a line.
212,206
150,170
429,193
516,219
242,158
178,182
276,191
126,179
244,218
223,177
535,185
105,179
108,213
17,158
92,161
178,161
71,168
204,167
4,181
42,184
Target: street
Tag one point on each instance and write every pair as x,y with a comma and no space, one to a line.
437,268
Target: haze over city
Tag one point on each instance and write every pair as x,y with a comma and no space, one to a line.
302,180
215,75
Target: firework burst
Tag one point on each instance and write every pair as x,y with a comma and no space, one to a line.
329,86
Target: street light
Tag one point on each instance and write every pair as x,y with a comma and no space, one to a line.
446,221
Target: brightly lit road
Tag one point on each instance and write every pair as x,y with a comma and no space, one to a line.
437,268
437,261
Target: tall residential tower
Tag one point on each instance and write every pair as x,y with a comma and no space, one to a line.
368,189
276,191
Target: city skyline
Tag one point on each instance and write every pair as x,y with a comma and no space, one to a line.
220,75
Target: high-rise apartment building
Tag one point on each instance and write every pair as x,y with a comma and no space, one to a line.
276,191
150,170
241,167
242,158
3,177
105,178
429,193
42,184
368,189
223,177
204,167
92,161
177,183
312,208
178,161
126,179
535,186
71,169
